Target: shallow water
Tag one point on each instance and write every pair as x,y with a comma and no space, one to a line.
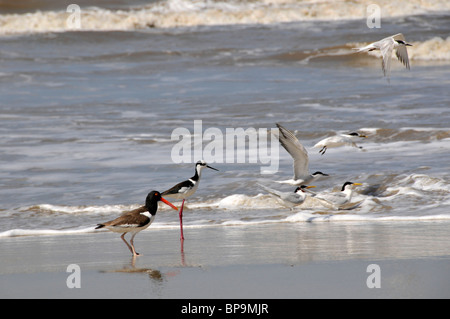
86,116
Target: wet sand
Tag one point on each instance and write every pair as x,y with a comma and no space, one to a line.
268,261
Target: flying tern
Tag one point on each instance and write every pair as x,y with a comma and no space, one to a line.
338,140
300,156
386,46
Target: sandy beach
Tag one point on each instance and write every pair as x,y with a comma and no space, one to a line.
105,101
282,261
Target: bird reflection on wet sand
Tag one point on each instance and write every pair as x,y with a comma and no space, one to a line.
153,274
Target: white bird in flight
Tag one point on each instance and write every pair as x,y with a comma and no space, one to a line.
300,155
290,199
338,140
386,46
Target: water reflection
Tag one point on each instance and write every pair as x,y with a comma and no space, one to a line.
131,268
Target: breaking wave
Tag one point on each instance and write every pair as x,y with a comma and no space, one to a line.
191,13
375,203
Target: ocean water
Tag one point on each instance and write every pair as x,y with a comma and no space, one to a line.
87,114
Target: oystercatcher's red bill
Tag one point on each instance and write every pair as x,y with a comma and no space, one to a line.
165,201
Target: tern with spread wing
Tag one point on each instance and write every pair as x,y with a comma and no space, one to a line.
300,156
386,46
338,140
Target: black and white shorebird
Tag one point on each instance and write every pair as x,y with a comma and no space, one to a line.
338,140
136,220
386,46
300,156
290,199
187,188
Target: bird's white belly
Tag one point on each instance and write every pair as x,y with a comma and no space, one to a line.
184,192
292,182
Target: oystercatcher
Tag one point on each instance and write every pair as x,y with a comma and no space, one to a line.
136,220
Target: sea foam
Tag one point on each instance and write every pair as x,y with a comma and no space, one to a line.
184,13
40,232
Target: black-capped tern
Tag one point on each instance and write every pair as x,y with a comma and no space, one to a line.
339,198
290,199
300,156
337,141
386,46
